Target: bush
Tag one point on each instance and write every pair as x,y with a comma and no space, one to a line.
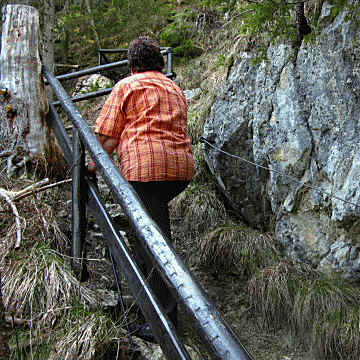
180,35
187,50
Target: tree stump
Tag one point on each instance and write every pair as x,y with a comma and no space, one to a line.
24,101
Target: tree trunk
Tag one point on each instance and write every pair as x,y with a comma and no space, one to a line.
23,97
24,101
92,22
46,10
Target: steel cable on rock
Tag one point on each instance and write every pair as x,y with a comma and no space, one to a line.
204,141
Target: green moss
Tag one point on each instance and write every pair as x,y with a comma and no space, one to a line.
278,155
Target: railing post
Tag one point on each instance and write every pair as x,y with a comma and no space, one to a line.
78,208
169,64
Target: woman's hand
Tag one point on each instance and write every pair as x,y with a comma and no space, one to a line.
109,144
91,167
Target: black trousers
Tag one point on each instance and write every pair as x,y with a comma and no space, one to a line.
155,196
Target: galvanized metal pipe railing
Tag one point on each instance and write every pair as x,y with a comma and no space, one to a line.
216,334
97,69
164,50
90,95
162,327
92,70
78,207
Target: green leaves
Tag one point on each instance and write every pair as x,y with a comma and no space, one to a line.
269,19
117,22
180,34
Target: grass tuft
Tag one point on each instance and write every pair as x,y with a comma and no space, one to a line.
318,297
271,291
236,248
40,293
81,335
197,207
321,312
90,337
41,285
337,336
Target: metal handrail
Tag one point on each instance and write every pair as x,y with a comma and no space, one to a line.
164,50
216,334
162,327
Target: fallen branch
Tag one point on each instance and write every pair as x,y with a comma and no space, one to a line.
32,189
68,66
5,153
11,196
14,195
4,195
35,191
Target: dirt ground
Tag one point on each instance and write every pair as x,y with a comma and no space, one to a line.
227,291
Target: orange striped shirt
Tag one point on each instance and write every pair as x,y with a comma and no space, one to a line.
147,113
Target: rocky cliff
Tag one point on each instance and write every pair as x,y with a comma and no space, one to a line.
297,114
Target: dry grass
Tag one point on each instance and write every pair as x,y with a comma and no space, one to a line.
40,287
81,335
316,298
41,294
202,172
235,247
199,208
90,338
337,335
197,114
37,283
271,291
321,312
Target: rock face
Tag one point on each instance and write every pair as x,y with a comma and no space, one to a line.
297,114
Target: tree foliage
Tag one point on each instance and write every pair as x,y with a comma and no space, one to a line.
115,23
268,18
85,25
273,21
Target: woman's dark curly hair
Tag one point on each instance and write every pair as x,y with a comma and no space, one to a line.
144,55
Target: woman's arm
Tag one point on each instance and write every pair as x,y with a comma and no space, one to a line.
109,144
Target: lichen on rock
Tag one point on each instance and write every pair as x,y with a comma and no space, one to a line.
297,114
